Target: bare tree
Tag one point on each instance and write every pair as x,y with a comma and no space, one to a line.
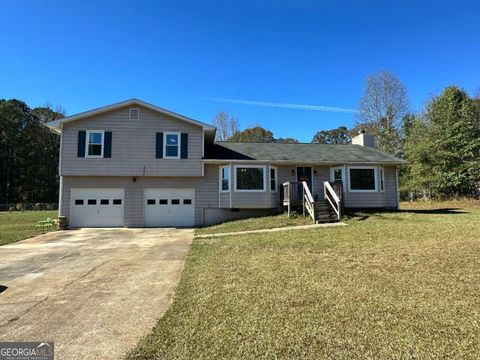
226,126
381,109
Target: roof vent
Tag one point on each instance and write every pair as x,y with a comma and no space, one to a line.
134,114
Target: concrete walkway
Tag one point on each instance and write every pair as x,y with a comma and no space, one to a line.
94,292
286,228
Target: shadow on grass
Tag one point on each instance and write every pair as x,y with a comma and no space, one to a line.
443,211
364,214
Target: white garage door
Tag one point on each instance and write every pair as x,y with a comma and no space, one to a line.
169,207
97,207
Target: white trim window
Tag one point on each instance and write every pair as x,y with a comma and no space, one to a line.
224,178
381,178
250,178
273,178
134,114
336,174
171,145
94,143
362,178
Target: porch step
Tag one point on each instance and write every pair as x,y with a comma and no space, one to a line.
324,212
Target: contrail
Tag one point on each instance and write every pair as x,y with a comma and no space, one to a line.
284,105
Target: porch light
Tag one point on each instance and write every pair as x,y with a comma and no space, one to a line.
293,172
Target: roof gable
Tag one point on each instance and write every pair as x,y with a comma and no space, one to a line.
56,124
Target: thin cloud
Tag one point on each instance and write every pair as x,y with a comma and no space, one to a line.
284,105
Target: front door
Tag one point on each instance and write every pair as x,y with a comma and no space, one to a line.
304,173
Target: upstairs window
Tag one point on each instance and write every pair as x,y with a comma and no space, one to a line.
134,114
273,178
225,178
94,144
171,143
250,178
363,179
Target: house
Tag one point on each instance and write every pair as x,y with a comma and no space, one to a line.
135,164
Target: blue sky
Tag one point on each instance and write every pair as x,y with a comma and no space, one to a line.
182,54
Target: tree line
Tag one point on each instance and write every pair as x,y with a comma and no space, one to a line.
441,141
28,154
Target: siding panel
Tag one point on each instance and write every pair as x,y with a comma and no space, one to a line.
206,191
133,146
379,199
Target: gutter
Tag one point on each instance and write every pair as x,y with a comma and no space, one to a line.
290,162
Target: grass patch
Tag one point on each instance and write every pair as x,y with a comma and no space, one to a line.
266,222
391,285
19,225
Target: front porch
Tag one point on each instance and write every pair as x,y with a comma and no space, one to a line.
321,207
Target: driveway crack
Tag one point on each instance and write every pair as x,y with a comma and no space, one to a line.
16,318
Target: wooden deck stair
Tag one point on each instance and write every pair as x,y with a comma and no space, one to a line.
324,212
297,197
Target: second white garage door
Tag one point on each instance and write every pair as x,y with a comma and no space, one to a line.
169,207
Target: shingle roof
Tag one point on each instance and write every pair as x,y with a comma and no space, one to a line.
302,153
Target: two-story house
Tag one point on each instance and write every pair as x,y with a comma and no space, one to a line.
134,164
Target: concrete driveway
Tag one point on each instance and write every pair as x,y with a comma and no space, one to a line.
94,292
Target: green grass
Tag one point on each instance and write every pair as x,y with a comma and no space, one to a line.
388,285
19,225
267,222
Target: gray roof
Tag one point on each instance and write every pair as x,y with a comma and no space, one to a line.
298,153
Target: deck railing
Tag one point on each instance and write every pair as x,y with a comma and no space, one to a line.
298,194
292,194
333,198
308,202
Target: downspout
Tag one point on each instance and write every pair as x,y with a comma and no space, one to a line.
60,189
231,184
398,190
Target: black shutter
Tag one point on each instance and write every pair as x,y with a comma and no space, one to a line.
107,146
82,136
184,144
159,147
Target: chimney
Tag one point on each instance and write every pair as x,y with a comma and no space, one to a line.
363,139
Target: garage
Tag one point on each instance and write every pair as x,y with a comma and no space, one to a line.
97,207
169,207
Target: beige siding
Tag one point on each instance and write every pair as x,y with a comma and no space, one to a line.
391,191
206,192
211,206
377,199
388,198
322,174
250,200
133,146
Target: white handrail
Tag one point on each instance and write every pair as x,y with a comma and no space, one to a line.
331,191
328,190
307,191
308,200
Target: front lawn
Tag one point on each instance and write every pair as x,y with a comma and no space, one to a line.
267,222
388,285
19,225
